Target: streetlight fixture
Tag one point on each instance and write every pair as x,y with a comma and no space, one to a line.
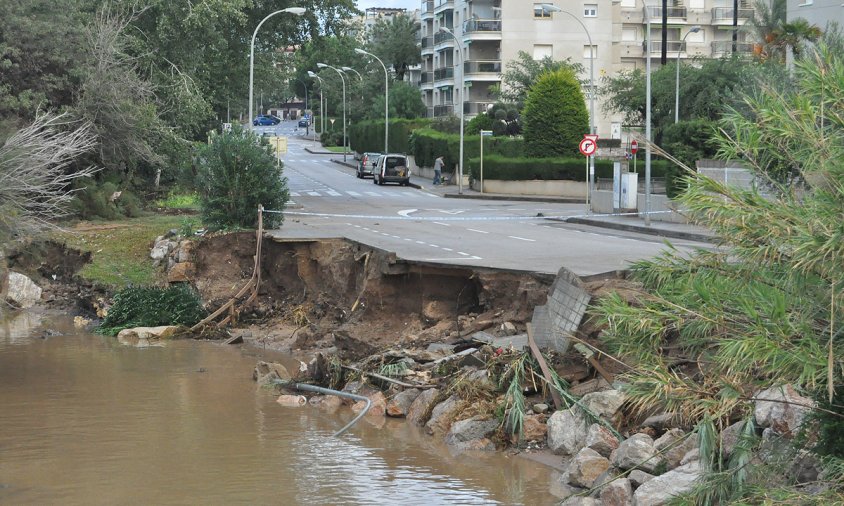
343,80
350,69
291,10
692,29
460,83
321,98
593,129
386,99
648,48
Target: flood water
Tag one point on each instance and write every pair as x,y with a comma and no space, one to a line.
85,420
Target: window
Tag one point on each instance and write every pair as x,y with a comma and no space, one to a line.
590,10
590,52
697,4
540,51
628,3
540,12
628,34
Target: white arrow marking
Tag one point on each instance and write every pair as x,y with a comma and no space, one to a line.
406,213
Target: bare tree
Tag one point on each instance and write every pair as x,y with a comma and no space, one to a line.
36,174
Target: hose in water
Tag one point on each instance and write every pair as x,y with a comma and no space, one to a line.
327,391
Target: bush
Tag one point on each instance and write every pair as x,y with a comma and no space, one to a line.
369,135
555,117
480,122
427,144
94,200
152,307
526,169
237,172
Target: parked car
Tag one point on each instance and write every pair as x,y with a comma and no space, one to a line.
392,168
265,120
366,165
303,123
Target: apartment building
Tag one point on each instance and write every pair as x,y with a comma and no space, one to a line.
817,12
491,33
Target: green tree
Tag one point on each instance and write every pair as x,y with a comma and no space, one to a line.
774,34
394,41
405,102
237,173
555,116
762,309
523,72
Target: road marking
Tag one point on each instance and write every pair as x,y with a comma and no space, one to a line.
420,242
354,194
314,194
332,193
406,212
443,224
464,254
295,194
521,238
447,249
373,194
452,259
478,231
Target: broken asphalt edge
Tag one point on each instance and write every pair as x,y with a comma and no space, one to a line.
641,229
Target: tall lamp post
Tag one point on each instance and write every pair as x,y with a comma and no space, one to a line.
292,10
460,84
593,129
692,29
386,99
343,80
306,101
321,97
648,47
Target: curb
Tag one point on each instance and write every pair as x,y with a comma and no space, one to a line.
639,229
522,198
309,150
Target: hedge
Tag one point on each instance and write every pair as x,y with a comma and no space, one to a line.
369,135
572,169
427,144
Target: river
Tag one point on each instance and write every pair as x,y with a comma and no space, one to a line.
85,420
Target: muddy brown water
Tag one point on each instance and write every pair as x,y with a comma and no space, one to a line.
85,420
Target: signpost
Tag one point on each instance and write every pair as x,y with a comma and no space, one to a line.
588,146
484,133
634,147
280,146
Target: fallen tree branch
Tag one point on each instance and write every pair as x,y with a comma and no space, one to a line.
386,378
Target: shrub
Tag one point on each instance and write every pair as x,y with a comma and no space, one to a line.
427,144
237,172
94,200
480,122
526,169
152,306
554,117
369,135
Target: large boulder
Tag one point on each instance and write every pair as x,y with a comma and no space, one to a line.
378,404
443,415
605,403
617,493
729,438
783,409
567,430
637,477
421,406
662,489
292,401
185,253
182,273
534,428
674,445
268,373
399,404
22,291
585,467
637,452
144,336
579,500
601,439
471,434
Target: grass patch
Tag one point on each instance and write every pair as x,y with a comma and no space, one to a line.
335,149
179,201
120,249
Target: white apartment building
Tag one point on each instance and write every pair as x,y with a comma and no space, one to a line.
492,32
817,12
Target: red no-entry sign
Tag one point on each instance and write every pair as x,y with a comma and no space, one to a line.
588,145
634,146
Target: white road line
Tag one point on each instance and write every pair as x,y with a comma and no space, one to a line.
314,194
443,224
478,231
433,245
353,194
420,242
406,239
521,238
452,259
464,254
295,194
447,249
332,193
373,194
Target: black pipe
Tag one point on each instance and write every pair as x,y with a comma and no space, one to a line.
735,25
664,53
327,391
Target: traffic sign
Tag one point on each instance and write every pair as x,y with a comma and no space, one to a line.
588,146
486,133
634,146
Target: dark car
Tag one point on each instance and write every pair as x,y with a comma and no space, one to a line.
265,120
366,165
392,169
304,123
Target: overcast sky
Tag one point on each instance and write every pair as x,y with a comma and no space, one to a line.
407,4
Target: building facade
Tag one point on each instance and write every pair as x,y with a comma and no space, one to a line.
491,33
817,12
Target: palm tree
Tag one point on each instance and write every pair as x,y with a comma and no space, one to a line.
774,34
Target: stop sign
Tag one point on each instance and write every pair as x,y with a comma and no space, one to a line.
634,146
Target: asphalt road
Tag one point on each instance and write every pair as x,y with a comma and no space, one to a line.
329,201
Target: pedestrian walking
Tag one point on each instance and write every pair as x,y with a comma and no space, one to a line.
438,170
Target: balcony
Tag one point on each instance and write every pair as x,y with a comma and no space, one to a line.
673,46
443,110
427,9
724,15
428,44
678,13
444,73
443,38
443,5
482,29
429,112
725,47
476,107
426,80
474,70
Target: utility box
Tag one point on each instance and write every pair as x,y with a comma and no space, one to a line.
629,192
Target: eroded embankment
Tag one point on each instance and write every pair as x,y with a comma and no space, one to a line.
312,290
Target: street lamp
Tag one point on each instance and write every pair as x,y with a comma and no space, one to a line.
350,69
292,10
386,99
343,80
692,29
460,83
321,98
593,129
648,118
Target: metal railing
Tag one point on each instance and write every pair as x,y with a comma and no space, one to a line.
426,77
444,73
427,41
726,46
655,12
482,67
482,25
726,14
427,6
441,38
657,184
672,46
442,110
475,107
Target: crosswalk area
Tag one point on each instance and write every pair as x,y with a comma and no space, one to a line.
328,192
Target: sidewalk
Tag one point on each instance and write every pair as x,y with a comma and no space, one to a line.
629,223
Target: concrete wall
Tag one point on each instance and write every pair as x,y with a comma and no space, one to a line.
557,188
